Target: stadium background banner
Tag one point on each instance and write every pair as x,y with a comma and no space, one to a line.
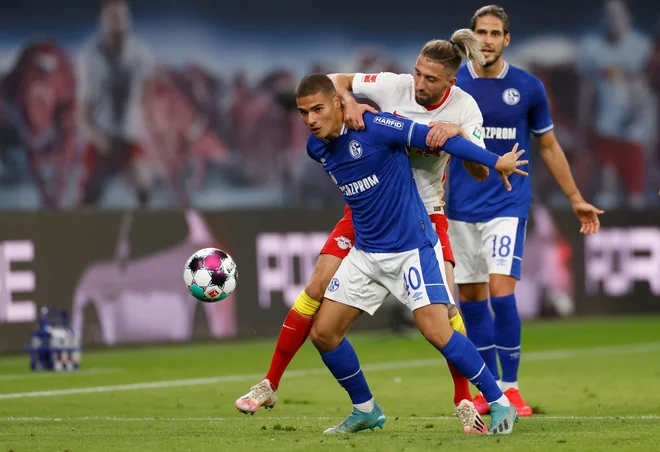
219,117
120,274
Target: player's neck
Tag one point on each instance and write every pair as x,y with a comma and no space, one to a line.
492,71
335,132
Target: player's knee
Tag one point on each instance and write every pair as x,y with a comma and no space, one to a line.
306,305
473,292
502,285
436,329
438,335
315,289
324,339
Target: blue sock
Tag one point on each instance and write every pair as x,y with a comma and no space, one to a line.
344,365
464,356
481,331
507,335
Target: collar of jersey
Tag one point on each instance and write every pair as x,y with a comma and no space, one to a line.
344,131
502,74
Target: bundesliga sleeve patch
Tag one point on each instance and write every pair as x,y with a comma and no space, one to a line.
369,78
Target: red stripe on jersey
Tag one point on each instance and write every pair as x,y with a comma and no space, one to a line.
442,101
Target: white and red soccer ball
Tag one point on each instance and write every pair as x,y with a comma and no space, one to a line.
210,275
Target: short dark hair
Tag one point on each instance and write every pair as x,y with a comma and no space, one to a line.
315,83
491,10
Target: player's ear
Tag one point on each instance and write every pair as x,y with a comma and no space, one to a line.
336,101
507,39
452,81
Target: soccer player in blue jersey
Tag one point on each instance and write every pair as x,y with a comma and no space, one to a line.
396,247
487,224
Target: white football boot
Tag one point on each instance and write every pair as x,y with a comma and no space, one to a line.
261,395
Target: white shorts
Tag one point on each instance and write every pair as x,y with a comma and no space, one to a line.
487,248
416,278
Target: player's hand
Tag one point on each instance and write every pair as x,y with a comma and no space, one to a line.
508,164
588,216
353,114
440,133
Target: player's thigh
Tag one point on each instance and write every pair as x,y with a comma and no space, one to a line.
339,243
449,276
326,267
502,245
417,278
466,239
441,225
354,284
332,322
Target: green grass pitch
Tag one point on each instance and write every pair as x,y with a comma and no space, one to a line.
595,384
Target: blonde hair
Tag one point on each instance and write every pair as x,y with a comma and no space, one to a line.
463,43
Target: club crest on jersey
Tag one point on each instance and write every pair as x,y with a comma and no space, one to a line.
369,78
511,96
355,148
334,285
343,243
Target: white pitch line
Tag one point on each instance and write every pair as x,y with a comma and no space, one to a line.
533,356
538,417
82,372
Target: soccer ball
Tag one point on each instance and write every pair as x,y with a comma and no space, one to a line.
210,275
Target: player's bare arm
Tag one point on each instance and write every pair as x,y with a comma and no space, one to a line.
478,172
555,160
353,111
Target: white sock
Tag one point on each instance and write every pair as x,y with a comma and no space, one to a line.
366,407
502,401
504,385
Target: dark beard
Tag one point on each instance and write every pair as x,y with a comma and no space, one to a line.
487,65
423,102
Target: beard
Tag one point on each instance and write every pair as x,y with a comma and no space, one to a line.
495,60
423,101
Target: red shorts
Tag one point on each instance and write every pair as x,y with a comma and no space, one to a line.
342,236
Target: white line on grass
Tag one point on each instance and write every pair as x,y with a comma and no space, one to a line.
538,417
82,372
532,356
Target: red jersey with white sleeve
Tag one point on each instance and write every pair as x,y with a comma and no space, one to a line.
395,93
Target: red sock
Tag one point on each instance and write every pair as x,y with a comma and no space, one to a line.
293,335
461,385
